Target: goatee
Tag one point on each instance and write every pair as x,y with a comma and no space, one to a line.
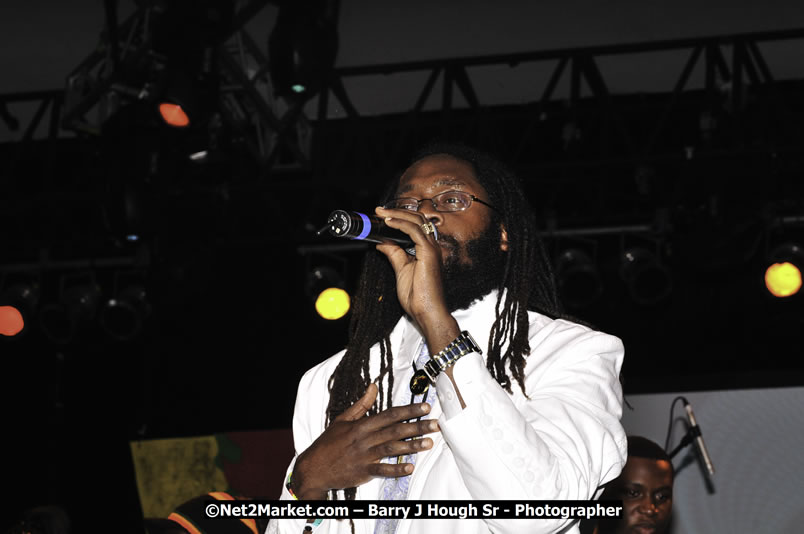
465,283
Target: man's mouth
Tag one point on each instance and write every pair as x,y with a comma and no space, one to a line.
447,242
645,528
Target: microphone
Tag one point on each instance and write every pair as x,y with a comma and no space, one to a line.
695,430
359,226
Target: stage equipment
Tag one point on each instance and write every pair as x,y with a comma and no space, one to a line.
77,306
122,316
783,275
693,434
578,278
648,280
187,100
325,286
302,47
18,302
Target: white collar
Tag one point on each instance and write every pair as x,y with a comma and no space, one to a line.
477,319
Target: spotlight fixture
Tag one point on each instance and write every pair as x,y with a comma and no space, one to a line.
173,114
78,302
783,275
325,286
648,280
17,307
578,278
302,47
183,99
122,316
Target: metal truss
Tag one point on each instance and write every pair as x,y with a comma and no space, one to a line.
100,85
596,161
572,94
566,114
723,111
43,101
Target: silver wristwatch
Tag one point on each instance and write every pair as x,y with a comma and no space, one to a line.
457,349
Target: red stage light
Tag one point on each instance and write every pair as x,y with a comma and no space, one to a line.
174,115
11,321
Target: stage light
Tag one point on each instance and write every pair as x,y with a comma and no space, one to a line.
173,115
332,303
648,280
11,321
123,315
17,307
325,286
180,99
302,47
578,278
77,306
783,275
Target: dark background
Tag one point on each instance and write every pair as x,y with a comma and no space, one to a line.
708,178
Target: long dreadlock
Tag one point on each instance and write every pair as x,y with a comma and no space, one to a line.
527,283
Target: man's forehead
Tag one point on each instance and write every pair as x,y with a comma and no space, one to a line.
407,185
641,469
440,170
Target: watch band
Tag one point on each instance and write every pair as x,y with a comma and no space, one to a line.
457,349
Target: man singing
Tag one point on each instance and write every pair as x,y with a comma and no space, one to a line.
460,380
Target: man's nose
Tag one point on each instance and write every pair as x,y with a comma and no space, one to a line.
649,508
427,208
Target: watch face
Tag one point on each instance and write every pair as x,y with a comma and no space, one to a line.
419,383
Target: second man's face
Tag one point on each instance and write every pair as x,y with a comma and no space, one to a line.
646,489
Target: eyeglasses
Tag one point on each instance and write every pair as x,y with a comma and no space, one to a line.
446,201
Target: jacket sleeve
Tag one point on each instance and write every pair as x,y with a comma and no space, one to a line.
560,441
308,423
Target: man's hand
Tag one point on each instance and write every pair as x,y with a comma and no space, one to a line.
349,451
418,278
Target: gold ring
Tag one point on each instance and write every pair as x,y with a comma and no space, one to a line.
428,228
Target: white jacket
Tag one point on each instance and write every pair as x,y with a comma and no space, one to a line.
562,442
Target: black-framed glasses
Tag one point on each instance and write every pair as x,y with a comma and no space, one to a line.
446,201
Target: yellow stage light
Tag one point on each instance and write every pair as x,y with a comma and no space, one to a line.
332,303
783,279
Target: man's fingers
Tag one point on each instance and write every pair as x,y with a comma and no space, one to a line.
359,408
401,448
407,222
390,470
396,256
400,437
397,414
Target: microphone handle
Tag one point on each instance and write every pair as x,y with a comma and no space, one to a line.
362,227
699,442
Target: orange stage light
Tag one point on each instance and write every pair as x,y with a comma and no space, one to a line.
11,321
174,115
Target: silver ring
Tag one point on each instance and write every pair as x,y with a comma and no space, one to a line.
428,228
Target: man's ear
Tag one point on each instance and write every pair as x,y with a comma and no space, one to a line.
503,238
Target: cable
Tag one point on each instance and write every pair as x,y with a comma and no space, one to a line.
670,424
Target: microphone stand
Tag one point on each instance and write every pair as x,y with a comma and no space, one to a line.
692,433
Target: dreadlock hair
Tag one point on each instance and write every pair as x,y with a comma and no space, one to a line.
526,283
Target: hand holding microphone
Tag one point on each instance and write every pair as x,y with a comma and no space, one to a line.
419,285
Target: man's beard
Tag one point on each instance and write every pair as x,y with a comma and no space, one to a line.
466,283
